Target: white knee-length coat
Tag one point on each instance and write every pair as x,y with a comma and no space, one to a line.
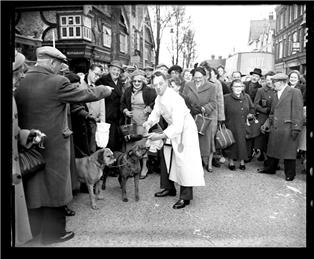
186,169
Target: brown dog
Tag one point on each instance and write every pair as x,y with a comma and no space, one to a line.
90,169
128,165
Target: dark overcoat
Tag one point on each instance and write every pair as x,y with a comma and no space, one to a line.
286,115
263,101
236,111
42,101
113,114
251,88
204,96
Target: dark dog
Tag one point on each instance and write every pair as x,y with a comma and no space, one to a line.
128,165
90,169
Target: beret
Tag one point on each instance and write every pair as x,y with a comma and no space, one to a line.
116,63
138,73
50,52
175,68
18,60
279,76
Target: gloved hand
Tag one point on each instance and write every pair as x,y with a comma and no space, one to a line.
294,134
31,136
90,117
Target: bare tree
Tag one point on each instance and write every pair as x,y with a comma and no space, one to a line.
178,20
189,48
115,40
161,22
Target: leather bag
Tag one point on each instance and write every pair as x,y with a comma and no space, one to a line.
252,128
202,122
31,161
224,137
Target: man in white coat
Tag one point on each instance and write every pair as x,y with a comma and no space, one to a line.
186,167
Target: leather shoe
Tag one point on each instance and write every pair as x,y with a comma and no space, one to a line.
215,163
289,178
232,167
166,192
242,167
143,177
181,204
263,171
68,211
65,237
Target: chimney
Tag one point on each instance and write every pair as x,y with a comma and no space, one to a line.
213,56
219,57
271,16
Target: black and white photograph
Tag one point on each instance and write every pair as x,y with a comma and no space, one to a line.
157,125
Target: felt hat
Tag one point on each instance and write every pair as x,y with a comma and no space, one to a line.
116,63
257,71
50,52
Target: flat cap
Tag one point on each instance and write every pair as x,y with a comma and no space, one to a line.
175,68
18,60
139,73
279,77
50,52
116,63
149,68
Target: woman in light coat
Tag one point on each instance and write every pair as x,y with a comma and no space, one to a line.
186,168
201,98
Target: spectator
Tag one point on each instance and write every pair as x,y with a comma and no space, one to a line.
238,108
263,102
113,113
42,101
219,115
222,74
187,75
137,103
96,109
22,230
148,74
251,89
295,82
201,96
163,68
286,120
186,167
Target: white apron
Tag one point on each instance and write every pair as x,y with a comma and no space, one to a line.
186,168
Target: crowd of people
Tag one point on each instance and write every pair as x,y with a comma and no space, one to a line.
162,102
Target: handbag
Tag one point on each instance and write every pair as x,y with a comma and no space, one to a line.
31,161
224,137
202,122
128,129
252,128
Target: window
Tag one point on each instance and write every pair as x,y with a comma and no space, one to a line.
295,12
291,14
71,27
287,17
123,43
305,37
106,36
87,28
281,21
281,49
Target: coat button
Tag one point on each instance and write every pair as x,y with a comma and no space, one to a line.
16,158
15,115
16,136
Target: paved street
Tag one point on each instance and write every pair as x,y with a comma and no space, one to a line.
234,209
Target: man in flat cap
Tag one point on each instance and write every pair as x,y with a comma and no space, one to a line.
42,100
285,121
163,68
113,113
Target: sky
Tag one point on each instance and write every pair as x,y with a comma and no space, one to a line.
219,29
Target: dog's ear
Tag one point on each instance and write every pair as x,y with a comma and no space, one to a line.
100,157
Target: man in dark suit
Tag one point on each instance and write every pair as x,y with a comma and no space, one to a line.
285,125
